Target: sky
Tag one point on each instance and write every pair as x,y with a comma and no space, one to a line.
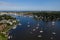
30,5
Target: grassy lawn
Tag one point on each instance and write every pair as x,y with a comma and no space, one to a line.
2,37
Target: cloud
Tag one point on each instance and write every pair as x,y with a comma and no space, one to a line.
6,4
3,3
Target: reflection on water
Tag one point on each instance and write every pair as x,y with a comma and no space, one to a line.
31,29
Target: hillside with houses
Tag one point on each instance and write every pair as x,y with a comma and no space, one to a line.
6,23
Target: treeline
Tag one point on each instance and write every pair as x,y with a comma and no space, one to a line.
6,17
48,15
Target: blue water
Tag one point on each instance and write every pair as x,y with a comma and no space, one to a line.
23,32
